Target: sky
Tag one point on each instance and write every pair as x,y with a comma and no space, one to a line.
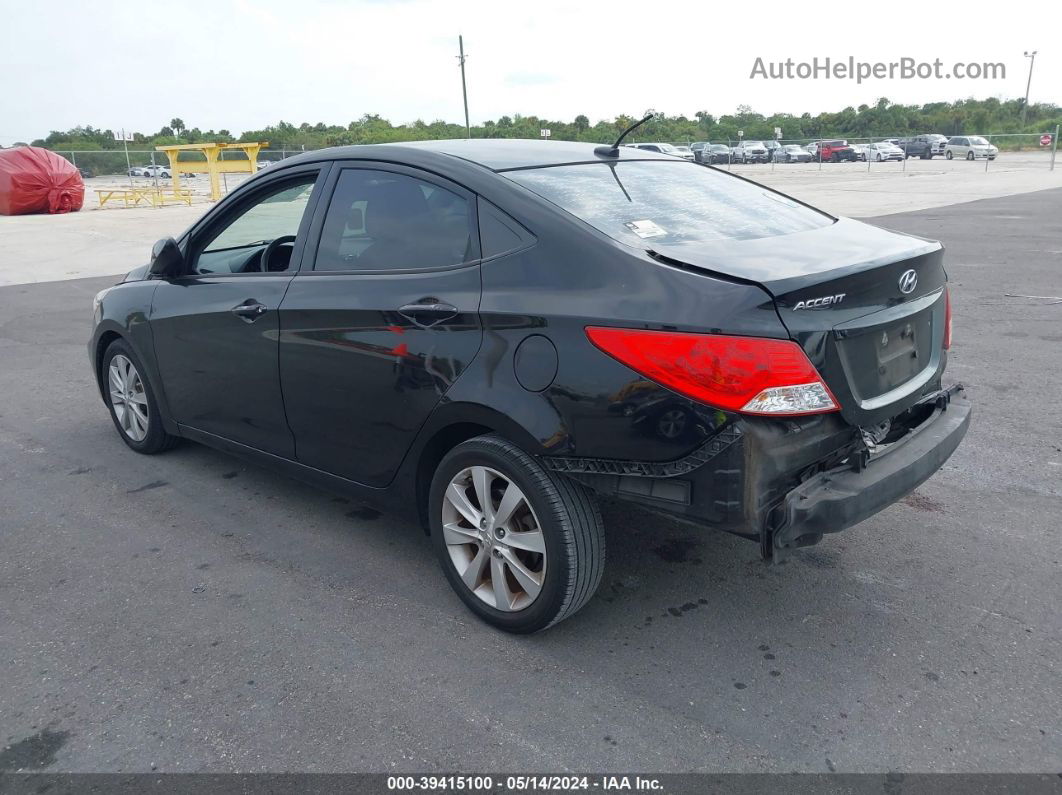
244,64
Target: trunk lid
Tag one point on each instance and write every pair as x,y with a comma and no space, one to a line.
877,343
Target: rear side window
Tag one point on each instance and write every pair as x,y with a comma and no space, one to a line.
499,234
380,220
641,202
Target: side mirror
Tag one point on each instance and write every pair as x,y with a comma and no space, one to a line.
166,259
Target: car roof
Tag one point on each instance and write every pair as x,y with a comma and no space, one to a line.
499,154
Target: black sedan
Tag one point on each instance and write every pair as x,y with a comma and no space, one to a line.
716,154
487,335
791,153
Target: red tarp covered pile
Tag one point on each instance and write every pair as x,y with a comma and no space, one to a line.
34,180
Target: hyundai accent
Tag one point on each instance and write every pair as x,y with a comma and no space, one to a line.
489,335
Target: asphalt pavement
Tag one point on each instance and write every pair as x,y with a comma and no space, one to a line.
190,612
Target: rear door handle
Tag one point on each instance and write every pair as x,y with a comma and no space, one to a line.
428,314
250,310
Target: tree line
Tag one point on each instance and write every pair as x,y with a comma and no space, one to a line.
990,116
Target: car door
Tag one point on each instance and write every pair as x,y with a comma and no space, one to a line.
382,318
215,326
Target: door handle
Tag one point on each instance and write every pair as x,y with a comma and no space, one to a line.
250,310
428,314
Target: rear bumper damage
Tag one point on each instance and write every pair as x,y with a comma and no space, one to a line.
787,483
845,495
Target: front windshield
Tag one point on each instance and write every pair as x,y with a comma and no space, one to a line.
753,143
659,202
977,141
667,148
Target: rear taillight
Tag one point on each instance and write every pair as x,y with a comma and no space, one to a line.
947,318
747,374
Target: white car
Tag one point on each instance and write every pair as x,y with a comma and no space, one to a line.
149,171
662,148
969,146
883,150
860,150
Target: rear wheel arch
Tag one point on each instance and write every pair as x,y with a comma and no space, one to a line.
452,425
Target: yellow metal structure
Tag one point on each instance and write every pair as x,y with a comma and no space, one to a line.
132,197
214,165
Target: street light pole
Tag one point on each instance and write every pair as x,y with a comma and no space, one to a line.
1025,105
464,90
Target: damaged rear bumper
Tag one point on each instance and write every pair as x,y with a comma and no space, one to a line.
846,495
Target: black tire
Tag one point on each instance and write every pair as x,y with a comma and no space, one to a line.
567,514
948,155
156,440
970,155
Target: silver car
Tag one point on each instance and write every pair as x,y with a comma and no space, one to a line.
970,147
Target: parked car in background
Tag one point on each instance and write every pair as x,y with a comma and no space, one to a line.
791,153
772,146
835,151
749,152
883,150
137,171
685,151
359,317
699,148
969,147
720,153
860,151
662,148
84,172
157,171
923,146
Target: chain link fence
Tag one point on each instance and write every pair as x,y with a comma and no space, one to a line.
1015,150
145,168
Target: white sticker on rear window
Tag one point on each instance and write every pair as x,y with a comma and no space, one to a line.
645,228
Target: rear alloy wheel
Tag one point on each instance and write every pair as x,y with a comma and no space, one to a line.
132,403
948,155
969,155
523,547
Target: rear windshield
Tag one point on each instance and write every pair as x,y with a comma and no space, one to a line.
643,202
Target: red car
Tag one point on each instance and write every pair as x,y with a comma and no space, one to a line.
836,151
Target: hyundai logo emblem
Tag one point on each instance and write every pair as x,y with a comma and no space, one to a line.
908,281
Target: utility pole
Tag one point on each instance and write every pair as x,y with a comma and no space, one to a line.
464,90
1025,105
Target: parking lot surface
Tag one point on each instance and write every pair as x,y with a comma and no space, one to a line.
191,612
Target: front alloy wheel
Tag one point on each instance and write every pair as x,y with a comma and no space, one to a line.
131,402
128,399
522,546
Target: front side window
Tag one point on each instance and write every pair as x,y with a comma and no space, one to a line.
643,202
239,246
381,220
